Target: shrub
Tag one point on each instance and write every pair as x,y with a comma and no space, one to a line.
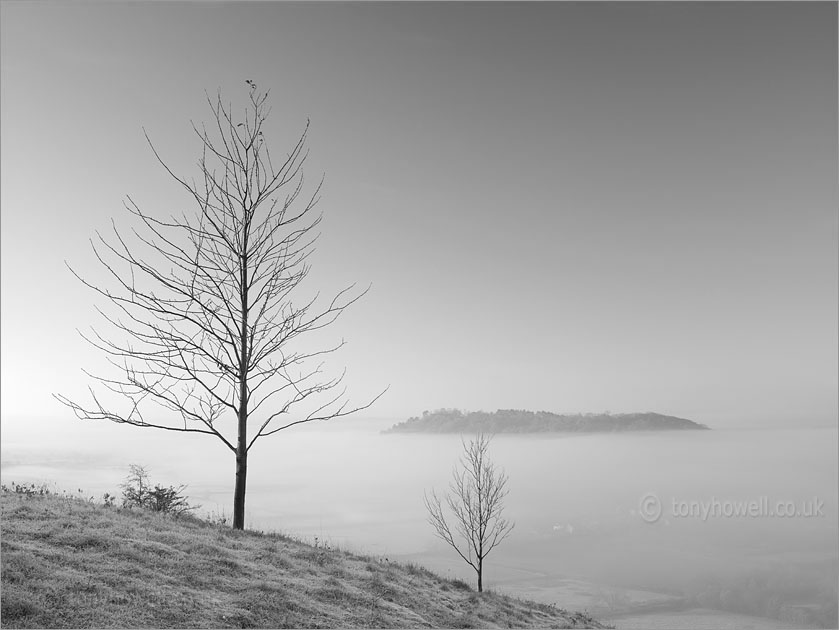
29,490
138,492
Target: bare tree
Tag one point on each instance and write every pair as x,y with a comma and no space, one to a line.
476,500
207,332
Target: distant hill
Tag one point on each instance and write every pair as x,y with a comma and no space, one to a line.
520,421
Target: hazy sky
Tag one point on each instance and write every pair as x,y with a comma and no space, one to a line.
560,206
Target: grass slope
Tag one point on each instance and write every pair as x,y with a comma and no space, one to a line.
69,563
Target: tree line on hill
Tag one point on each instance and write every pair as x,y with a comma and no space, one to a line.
521,421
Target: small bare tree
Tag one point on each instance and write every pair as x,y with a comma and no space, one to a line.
476,499
204,305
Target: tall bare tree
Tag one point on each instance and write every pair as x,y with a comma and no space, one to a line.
206,331
476,500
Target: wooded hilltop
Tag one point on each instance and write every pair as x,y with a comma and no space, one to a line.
521,421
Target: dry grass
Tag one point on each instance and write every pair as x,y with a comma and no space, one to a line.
71,564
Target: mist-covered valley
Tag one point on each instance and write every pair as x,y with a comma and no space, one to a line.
584,537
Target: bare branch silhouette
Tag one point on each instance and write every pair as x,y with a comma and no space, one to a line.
476,500
205,328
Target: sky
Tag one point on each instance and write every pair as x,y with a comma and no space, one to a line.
558,206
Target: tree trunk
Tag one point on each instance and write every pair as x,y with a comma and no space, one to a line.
480,577
242,444
239,492
241,467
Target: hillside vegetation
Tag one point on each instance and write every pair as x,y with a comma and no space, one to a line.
71,563
521,421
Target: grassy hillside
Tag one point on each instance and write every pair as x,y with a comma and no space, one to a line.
70,563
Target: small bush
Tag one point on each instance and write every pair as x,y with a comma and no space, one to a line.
138,492
30,490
